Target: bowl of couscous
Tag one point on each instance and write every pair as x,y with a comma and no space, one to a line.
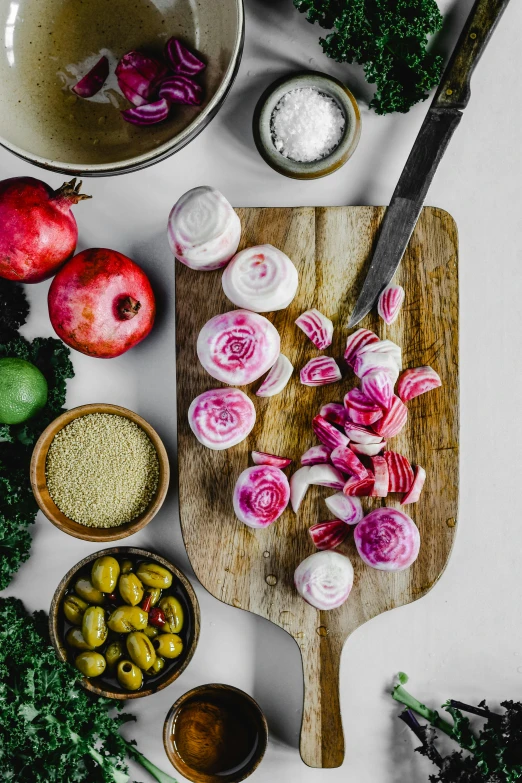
99,472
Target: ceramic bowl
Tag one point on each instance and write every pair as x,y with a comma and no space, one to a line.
263,131
200,700
50,44
110,687
49,507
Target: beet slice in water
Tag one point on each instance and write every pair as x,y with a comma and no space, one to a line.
182,60
94,80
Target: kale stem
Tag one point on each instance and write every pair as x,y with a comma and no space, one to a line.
155,771
483,713
408,717
401,695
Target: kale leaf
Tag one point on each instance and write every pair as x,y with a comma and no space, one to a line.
14,309
389,38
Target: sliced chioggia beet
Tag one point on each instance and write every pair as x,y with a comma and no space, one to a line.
328,535
380,473
277,378
361,409
182,60
328,434
373,361
298,487
390,303
324,579
368,449
356,341
346,461
335,413
417,381
393,420
148,114
221,418
346,508
238,347
263,458
400,473
359,487
93,81
139,77
383,348
359,434
387,539
260,278
320,371
416,488
326,476
203,229
378,387
261,495
181,89
317,327
316,455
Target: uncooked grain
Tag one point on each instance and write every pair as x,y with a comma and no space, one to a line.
102,470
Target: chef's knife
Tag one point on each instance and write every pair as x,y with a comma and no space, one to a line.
437,129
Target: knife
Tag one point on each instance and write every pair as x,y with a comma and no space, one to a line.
434,136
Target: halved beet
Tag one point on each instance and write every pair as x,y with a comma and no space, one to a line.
324,579
261,495
221,418
387,539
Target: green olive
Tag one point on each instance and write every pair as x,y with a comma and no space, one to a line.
155,595
173,612
74,637
104,574
131,589
140,649
94,627
74,608
113,653
154,575
86,590
157,666
91,664
126,566
129,675
151,631
125,619
168,645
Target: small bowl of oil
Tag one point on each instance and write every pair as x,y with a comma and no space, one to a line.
49,44
215,733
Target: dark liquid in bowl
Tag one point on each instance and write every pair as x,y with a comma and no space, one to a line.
216,734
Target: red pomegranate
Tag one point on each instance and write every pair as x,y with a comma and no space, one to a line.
38,232
101,303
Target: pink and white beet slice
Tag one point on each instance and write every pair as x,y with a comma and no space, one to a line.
316,455
329,435
416,488
263,458
347,509
400,473
261,495
299,487
393,420
221,418
387,539
320,371
416,381
328,535
359,434
346,461
260,278
326,476
368,449
390,303
335,413
356,341
277,378
324,579
317,327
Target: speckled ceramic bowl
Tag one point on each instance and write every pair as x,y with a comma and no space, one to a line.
48,44
263,131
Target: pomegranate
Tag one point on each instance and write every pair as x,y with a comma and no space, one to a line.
101,303
38,232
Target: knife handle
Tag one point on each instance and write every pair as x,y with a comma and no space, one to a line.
454,90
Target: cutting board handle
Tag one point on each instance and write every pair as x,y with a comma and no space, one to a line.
322,739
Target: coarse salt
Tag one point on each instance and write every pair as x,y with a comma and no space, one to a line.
306,125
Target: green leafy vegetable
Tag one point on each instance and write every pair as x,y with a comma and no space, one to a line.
17,505
51,729
490,753
389,38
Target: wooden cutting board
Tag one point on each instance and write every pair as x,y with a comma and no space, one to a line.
253,569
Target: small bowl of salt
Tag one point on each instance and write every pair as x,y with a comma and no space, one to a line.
306,125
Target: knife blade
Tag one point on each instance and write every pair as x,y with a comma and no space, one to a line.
436,131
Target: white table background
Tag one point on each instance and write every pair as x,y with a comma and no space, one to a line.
464,639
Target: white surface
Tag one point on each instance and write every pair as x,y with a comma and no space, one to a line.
463,640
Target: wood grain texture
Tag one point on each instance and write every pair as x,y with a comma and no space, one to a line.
331,248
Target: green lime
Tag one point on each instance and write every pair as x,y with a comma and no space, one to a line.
23,390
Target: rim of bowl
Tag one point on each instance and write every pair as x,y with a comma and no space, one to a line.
51,510
339,155
165,150
59,645
217,687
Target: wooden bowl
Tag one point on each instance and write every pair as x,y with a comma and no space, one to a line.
200,700
49,507
191,630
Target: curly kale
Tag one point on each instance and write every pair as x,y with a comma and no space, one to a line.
17,505
14,309
51,729
490,754
389,38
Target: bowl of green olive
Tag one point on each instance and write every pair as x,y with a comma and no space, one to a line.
127,619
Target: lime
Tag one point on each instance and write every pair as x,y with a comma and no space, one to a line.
23,390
